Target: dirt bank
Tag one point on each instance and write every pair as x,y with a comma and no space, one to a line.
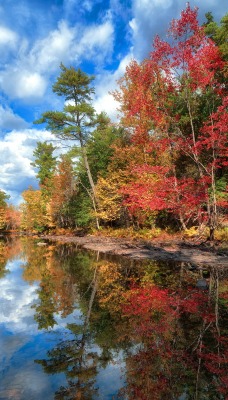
175,250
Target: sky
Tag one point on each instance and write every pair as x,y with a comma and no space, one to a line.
99,37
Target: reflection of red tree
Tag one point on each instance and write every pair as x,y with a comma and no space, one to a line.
151,309
152,323
177,344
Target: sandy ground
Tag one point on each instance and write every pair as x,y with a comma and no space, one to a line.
175,250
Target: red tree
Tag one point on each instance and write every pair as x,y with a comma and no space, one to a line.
175,109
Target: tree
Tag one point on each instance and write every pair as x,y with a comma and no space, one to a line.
168,102
100,146
13,217
3,208
34,213
45,162
101,151
218,33
77,119
63,190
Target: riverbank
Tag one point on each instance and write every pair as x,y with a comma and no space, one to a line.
176,249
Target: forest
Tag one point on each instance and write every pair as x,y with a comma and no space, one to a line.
161,166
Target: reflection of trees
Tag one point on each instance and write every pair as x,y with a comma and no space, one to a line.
46,307
9,249
56,285
75,358
76,355
3,259
179,343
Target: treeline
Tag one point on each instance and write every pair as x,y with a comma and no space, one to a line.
9,215
164,164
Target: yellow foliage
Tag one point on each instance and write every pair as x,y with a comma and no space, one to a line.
222,234
2,217
34,212
110,286
108,197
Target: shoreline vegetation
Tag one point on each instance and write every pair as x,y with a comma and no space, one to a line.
165,247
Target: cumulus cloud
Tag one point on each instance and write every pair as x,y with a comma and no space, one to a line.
9,120
97,41
7,37
71,44
105,84
29,77
151,17
23,84
16,155
8,43
47,53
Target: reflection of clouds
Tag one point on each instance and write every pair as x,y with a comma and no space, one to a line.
19,374
74,318
110,379
21,342
9,345
16,298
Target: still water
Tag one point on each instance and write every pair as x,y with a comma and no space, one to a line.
78,325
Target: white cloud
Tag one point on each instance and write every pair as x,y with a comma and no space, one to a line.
152,17
28,78
7,37
47,53
78,6
98,38
9,120
133,25
8,43
106,83
67,44
23,84
16,155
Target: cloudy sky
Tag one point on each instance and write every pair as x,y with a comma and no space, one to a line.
99,36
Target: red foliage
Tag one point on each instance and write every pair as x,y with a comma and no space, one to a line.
163,356
187,65
154,189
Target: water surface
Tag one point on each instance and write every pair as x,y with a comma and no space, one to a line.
78,325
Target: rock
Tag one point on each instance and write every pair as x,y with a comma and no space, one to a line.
202,284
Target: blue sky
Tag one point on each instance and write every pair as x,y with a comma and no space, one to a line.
100,37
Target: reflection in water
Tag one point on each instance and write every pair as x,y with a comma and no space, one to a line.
110,328
181,343
9,249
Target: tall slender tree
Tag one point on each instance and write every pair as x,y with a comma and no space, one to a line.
76,120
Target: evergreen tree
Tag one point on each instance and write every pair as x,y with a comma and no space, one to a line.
45,162
75,121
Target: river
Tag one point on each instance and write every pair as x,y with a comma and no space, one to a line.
78,325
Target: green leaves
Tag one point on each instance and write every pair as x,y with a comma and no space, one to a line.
44,161
73,85
3,198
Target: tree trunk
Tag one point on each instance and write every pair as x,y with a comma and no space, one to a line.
91,182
